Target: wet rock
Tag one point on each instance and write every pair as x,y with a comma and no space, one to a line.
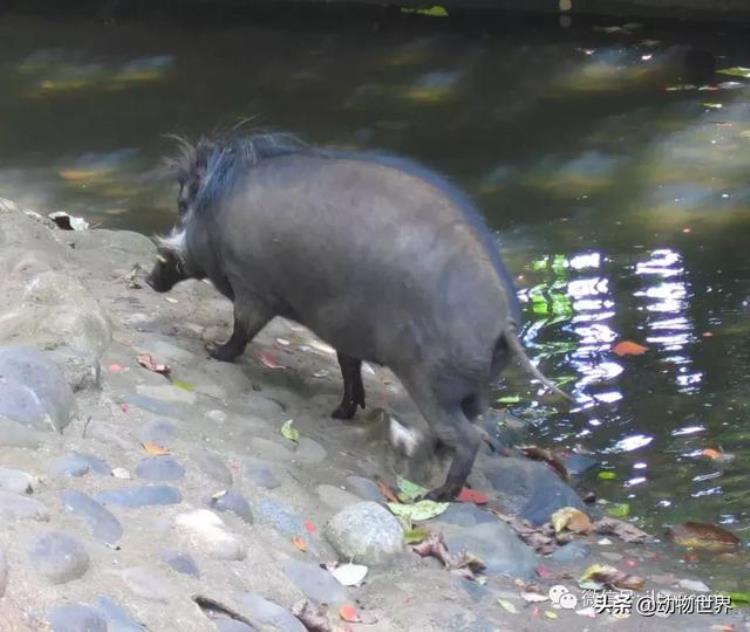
3,572
336,498
16,481
14,435
282,516
212,465
232,625
265,612
156,406
147,583
364,488
498,546
571,552
142,496
530,489
58,556
18,507
33,390
465,515
117,619
101,523
76,464
317,584
232,501
506,430
160,468
159,431
181,562
76,618
365,532
207,532
579,464
260,473
310,451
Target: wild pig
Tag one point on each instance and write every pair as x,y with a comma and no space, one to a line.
383,259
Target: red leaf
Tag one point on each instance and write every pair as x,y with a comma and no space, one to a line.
542,571
349,613
309,526
147,361
628,348
468,495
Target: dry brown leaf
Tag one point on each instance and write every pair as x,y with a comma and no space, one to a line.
540,454
612,578
147,361
314,619
571,519
628,348
703,535
536,537
624,530
300,543
387,492
154,449
465,564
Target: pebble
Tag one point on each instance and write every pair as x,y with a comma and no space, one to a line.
160,468
364,488
310,451
282,516
160,431
3,572
206,531
142,496
260,473
181,562
267,612
232,501
212,465
336,498
147,583
15,506
16,481
100,521
76,618
317,584
117,619
366,533
58,556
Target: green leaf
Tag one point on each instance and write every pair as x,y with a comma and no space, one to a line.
551,614
508,399
423,510
606,476
185,386
618,510
508,606
409,491
739,598
416,535
289,431
713,106
736,71
434,12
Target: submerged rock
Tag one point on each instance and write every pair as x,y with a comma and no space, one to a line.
366,533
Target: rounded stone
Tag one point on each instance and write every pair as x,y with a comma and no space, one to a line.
143,496
260,473
15,506
310,451
318,585
159,431
58,556
160,468
364,488
212,465
234,502
100,521
181,562
76,618
366,533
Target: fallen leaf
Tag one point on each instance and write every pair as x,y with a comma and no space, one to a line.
386,491
268,361
508,399
309,526
350,574
417,512
703,535
288,431
349,613
508,606
719,456
624,530
535,537
114,368
540,454
606,475
465,564
416,535
542,571
314,619
534,597
571,519
468,495
739,597
300,543
154,449
618,510
736,71
550,614
409,491
185,386
628,348
148,362
598,576
433,12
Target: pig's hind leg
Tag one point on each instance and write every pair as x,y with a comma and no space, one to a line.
354,390
248,321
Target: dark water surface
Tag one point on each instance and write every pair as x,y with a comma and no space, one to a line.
615,166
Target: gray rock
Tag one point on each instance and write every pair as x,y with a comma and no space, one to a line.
15,507
58,556
530,489
464,515
160,468
336,498
156,406
117,619
571,552
76,618
76,464
282,516
147,583
102,524
318,585
365,532
141,496
232,625
364,488
159,431
16,481
579,464
232,501
260,473
212,465
498,546
264,612
33,390
14,435
3,572
310,451
181,562
81,369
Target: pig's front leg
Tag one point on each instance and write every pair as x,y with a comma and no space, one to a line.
248,321
354,390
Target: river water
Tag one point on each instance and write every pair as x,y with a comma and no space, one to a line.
611,159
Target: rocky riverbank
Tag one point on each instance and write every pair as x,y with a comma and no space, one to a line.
144,486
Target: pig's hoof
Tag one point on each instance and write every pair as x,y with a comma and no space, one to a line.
444,493
344,411
220,352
